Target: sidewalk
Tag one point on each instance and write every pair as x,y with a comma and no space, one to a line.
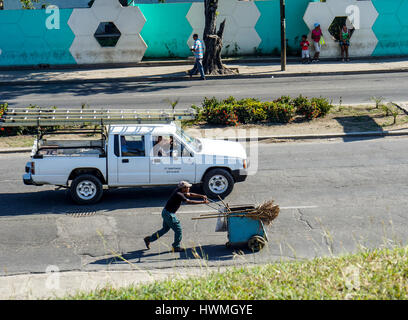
61,284
176,70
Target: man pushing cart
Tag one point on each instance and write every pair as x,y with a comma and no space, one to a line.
170,221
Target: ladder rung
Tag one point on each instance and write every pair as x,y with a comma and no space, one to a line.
52,116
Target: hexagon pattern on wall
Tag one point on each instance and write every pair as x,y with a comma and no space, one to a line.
391,27
129,20
364,40
241,17
30,42
166,30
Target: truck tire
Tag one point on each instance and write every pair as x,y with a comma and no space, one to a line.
218,182
86,189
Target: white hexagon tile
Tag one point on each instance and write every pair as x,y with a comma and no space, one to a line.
241,17
129,21
363,41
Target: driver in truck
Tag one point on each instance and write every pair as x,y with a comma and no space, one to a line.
170,220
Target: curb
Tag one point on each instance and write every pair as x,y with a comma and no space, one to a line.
325,136
278,137
15,150
189,61
183,77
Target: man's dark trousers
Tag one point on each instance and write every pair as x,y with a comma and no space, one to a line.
198,66
170,221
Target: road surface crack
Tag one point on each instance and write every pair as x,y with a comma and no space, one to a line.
304,220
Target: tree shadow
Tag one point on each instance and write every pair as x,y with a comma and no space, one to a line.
206,252
59,202
358,125
87,89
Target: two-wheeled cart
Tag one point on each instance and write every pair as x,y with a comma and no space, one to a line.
243,230
242,226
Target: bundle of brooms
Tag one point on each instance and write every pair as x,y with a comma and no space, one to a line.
266,212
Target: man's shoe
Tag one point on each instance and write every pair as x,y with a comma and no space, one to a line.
147,242
178,249
203,78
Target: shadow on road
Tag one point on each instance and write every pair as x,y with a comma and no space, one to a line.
86,89
355,124
59,202
206,252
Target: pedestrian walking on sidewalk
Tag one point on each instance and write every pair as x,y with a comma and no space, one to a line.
345,35
317,34
170,221
304,44
198,50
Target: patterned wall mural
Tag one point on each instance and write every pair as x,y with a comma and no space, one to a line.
383,29
391,27
363,41
110,33
128,23
25,39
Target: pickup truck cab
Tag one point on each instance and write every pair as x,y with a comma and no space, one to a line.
136,155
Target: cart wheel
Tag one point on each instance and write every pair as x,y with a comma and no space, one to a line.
256,243
228,245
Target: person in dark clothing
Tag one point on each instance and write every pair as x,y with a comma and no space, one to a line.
170,220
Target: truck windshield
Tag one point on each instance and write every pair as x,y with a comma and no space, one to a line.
194,143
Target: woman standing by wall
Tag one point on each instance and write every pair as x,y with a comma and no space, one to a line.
345,35
316,36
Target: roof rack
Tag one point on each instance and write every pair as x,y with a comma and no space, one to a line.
37,117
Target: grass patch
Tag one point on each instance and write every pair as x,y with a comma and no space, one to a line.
17,141
375,274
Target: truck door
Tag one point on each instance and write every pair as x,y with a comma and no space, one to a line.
170,161
133,162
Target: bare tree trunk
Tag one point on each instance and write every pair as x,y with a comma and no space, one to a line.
213,41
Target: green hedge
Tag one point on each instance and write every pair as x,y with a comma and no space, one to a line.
250,110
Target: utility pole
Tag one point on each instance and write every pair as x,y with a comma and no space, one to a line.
283,35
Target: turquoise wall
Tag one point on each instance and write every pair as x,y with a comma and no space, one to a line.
268,25
25,40
166,30
391,27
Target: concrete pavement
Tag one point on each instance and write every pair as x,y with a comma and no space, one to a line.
335,197
54,284
159,71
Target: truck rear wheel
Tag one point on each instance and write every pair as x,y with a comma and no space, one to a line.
218,182
86,189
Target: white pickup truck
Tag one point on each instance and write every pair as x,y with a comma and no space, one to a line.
136,155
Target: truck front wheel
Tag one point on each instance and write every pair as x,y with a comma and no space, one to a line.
218,182
86,189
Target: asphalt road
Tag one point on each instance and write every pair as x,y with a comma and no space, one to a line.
147,95
335,197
